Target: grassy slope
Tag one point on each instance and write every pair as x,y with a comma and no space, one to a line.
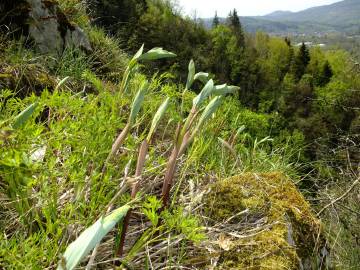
46,202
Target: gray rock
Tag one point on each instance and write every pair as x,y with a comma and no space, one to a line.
46,25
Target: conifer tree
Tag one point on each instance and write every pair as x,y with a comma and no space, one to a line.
326,74
301,62
234,22
216,20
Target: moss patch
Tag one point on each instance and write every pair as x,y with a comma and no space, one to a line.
278,231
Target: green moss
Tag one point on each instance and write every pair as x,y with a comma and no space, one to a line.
291,235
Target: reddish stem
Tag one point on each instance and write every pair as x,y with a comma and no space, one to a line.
139,169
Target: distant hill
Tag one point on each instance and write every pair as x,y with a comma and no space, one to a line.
278,13
346,12
342,16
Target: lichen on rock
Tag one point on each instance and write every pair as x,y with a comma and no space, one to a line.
276,230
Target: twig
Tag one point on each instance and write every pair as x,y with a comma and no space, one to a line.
340,198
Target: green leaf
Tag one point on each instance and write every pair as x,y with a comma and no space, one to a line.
21,119
138,100
191,74
224,89
89,238
156,120
205,92
202,77
139,53
209,110
155,54
136,57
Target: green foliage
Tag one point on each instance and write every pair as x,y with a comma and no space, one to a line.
21,119
294,105
88,239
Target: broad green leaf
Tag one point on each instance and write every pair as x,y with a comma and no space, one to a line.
209,110
156,53
156,120
138,100
139,53
21,119
202,77
136,57
224,89
191,74
234,88
205,92
88,239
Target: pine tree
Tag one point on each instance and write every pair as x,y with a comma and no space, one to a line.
304,54
301,62
234,23
216,20
233,20
326,74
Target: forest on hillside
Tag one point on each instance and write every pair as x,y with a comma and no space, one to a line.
148,131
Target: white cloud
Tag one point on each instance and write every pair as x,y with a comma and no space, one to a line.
207,8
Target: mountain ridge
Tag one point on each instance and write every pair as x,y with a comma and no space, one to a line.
341,17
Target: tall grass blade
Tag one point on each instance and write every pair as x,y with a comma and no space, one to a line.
88,239
61,83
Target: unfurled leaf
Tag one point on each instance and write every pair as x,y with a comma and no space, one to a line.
138,100
88,239
156,120
209,110
155,54
233,89
202,77
21,119
224,89
205,92
191,74
139,53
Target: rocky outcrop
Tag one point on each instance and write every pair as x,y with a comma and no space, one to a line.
43,22
265,223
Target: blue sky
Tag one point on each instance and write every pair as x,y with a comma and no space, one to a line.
206,8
